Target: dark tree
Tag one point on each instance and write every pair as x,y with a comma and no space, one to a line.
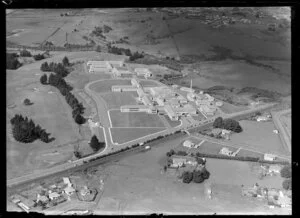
187,177
232,125
12,62
25,53
38,57
197,176
181,153
287,184
205,173
65,61
79,119
44,79
218,123
95,144
45,67
286,172
27,102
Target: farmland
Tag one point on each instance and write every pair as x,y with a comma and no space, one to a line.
122,135
139,119
116,99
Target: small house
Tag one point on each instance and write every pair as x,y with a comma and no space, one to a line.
188,144
53,196
270,157
69,190
226,151
274,169
42,198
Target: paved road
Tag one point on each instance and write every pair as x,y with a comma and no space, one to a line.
284,135
104,119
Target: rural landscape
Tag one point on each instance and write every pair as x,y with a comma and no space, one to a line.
134,111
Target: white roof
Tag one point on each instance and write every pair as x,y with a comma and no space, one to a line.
53,195
188,143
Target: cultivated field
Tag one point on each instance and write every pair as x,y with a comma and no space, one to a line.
115,100
259,135
122,135
105,85
139,119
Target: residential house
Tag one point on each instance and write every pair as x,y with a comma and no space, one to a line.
42,198
188,144
226,151
69,190
274,169
67,181
270,157
53,196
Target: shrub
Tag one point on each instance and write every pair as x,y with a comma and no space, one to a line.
95,144
44,79
286,172
187,177
197,176
38,57
25,53
181,153
65,61
218,123
287,184
12,62
27,102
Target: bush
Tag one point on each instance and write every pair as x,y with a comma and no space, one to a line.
187,177
181,153
38,57
44,79
65,61
12,62
197,177
79,119
95,144
27,102
287,184
25,53
286,172
218,123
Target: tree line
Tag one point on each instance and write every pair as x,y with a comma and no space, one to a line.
228,124
57,80
286,172
124,51
25,130
26,53
58,68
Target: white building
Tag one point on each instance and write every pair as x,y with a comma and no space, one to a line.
143,72
270,157
210,111
186,89
67,181
170,112
138,108
53,196
188,144
122,88
120,71
226,151
219,103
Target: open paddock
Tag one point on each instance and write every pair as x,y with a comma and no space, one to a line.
228,108
259,135
115,100
135,119
105,85
246,153
122,135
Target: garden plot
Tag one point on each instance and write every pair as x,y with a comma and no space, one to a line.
122,135
138,119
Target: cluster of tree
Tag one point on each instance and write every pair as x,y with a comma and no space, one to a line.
95,144
228,124
220,156
65,89
39,57
287,184
26,131
58,68
172,152
197,176
286,172
25,53
125,51
97,31
27,102
12,61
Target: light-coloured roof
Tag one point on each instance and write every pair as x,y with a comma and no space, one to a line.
188,143
54,195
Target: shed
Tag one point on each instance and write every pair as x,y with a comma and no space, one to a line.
270,157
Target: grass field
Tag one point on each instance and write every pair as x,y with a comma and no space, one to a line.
259,135
246,153
122,135
115,100
230,108
105,85
150,83
139,119
287,122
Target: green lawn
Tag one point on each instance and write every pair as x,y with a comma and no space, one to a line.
138,119
122,135
115,100
105,85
